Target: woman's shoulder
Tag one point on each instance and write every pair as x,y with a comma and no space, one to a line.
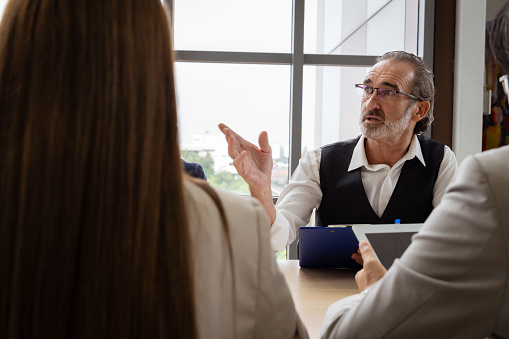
238,209
493,163
204,192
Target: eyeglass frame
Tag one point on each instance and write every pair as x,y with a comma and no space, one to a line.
504,80
363,86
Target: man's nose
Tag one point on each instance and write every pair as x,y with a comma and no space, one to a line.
373,101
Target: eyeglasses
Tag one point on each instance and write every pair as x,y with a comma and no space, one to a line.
385,94
505,83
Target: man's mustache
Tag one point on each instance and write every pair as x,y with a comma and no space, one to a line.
377,113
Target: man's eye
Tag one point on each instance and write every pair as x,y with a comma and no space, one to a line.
389,93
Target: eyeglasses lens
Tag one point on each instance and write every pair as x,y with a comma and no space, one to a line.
384,94
364,91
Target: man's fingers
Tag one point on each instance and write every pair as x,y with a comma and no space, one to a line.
223,127
234,148
366,251
227,131
263,141
238,163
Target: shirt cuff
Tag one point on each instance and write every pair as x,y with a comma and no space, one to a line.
279,232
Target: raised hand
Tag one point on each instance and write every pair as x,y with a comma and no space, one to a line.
254,165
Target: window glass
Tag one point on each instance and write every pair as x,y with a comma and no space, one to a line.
2,7
247,98
233,25
361,27
331,109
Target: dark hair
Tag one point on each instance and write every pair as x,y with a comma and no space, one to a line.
423,85
93,239
499,38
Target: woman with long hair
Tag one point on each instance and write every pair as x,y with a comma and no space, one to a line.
101,234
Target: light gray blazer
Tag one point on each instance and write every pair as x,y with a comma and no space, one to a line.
453,281
253,301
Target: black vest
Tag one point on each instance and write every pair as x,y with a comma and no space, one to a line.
344,200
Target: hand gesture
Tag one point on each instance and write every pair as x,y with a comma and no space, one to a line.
253,164
373,270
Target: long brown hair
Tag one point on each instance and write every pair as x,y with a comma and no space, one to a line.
93,233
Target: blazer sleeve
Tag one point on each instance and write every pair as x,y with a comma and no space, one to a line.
276,316
450,283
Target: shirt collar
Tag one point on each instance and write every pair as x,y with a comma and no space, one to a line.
359,154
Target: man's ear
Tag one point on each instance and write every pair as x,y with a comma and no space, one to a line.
420,110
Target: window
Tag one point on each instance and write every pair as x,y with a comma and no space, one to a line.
284,66
228,25
2,6
247,97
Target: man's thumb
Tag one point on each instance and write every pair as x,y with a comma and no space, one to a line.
263,140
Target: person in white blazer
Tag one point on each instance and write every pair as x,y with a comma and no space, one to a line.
453,280
238,293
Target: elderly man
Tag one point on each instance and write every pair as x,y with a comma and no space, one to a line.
389,172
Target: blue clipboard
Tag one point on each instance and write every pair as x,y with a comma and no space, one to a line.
327,247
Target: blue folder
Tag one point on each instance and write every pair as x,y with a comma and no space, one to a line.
327,247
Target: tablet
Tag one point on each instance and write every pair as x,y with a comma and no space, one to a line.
388,241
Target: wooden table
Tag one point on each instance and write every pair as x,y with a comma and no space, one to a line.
313,290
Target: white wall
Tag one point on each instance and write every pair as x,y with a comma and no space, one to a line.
469,77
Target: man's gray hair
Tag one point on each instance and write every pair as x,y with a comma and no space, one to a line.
423,85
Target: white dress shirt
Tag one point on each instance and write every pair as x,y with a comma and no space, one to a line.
303,192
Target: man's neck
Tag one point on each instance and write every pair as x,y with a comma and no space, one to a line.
387,152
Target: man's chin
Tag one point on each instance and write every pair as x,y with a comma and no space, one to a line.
371,132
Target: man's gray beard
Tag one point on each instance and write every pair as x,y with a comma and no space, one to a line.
388,129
